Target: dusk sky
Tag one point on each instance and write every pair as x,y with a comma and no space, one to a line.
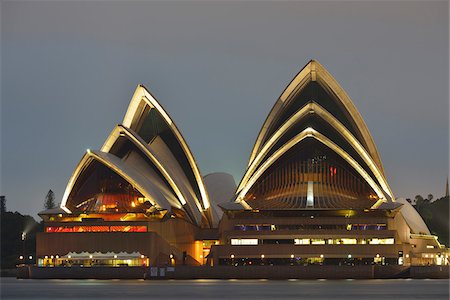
69,69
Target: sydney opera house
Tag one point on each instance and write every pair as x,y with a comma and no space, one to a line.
314,192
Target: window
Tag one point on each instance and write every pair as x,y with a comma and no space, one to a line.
54,229
317,242
301,241
343,241
376,241
244,241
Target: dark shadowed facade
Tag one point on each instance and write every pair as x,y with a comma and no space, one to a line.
314,192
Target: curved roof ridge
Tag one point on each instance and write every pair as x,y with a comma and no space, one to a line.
314,71
310,132
314,107
153,157
131,117
144,186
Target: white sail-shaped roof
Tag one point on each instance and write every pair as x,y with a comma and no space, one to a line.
148,145
314,105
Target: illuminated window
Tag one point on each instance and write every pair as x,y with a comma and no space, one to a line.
344,241
244,241
54,229
317,242
256,227
376,241
129,228
301,241
378,259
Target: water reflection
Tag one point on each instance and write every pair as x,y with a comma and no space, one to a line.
397,289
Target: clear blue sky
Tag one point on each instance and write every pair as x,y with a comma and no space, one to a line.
69,69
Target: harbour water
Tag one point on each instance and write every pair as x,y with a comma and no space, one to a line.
397,289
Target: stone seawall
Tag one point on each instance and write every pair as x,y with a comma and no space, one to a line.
34,272
434,272
239,272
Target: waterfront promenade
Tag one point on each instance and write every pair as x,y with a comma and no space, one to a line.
236,272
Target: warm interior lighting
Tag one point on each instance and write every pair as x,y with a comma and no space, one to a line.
301,241
292,255
317,242
30,257
232,255
262,255
244,241
344,241
376,241
99,228
21,257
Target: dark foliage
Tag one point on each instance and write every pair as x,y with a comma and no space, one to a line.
435,214
50,200
12,246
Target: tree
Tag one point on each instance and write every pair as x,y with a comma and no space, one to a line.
423,207
419,202
50,200
2,204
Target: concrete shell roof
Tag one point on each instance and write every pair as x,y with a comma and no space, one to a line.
143,96
161,156
140,182
277,125
314,71
412,218
221,188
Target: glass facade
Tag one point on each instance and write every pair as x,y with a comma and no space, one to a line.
99,189
315,121
313,241
101,228
272,227
310,172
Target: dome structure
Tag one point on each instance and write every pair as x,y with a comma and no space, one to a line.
314,151
144,166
